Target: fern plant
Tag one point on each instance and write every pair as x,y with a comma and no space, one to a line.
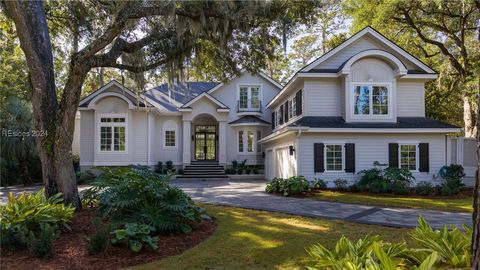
138,195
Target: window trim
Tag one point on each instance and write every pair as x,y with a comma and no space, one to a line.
390,91
417,154
342,145
249,94
98,131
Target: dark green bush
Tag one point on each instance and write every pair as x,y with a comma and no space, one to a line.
234,164
41,243
144,197
424,188
180,171
289,186
99,240
85,177
240,171
169,165
379,186
400,187
159,167
452,179
341,184
248,170
255,170
318,184
14,238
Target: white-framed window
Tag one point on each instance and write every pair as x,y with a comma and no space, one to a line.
250,140
240,141
170,138
334,157
249,97
259,136
170,134
113,130
290,109
408,156
371,99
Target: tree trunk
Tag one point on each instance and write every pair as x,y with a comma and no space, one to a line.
468,117
56,123
476,201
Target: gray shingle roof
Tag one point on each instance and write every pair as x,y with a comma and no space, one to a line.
339,122
249,119
184,91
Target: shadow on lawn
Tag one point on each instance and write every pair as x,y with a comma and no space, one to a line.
248,239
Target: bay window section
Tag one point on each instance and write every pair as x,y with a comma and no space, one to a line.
250,141
259,136
371,99
112,134
240,141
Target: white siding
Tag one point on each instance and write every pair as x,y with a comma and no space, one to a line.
410,98
87,138
322,97
161,153
369,148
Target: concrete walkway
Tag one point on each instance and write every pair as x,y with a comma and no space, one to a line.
251,194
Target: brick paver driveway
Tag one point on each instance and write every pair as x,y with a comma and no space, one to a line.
251,194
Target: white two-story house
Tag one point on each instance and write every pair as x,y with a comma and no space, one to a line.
363,101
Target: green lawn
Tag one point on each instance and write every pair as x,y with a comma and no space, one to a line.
445,204
248,239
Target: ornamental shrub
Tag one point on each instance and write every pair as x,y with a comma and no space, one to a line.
318,184
341,184
41,243
288,186
424,188
135,236
29,213
452,179
141,196
99,240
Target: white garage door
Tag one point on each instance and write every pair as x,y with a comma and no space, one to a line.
284,163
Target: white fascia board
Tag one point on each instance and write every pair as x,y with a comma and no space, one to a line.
223,110
215,88
275,135
421,76
378,130
185,109
270,79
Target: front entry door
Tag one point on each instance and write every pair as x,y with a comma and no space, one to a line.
205,143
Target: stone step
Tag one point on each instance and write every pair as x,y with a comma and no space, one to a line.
219,176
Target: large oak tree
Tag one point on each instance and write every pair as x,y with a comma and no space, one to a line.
236,34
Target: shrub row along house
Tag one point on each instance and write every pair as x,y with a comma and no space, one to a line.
363,101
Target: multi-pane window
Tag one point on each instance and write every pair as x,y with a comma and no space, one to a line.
370,100
170,139
240,141
334,157
290,110
294,106
259,136
249,141
249,98
408,156
112,134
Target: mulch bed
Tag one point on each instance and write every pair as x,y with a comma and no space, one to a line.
71,253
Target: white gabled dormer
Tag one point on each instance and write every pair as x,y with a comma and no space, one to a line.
368,78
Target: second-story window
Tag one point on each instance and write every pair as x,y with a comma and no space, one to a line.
370,99
249,98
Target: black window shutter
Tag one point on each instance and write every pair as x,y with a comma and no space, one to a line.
350,157
280,115
298,102
285,108
273,120
318,157
424,157
393,155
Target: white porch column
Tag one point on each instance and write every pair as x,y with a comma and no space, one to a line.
187,141
222,142
151,135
